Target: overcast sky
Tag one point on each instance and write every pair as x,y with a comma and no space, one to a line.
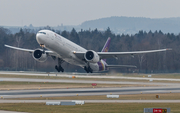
74,12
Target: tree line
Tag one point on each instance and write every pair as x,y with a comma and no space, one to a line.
162,62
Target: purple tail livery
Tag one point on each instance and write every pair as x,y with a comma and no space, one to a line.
106,46
102,63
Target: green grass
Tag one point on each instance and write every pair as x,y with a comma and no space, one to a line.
7,85
88,107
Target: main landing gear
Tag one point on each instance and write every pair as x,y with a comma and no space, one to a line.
59,68
88,69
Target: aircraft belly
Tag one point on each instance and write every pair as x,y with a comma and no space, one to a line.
65,53
75,62
57,48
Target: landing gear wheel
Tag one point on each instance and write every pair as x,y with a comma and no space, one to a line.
62,70
88,69
56,67
59,68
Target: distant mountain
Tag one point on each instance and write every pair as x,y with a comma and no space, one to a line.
132,25
118,25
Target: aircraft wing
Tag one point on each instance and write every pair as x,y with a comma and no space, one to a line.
51,53
117,54
104,55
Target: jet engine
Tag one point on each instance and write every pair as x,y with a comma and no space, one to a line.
91,56
39,55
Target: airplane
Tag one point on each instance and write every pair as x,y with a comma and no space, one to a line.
65,50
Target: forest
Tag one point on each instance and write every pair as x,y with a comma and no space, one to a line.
162,62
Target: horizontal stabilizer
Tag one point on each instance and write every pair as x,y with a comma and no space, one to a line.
120,66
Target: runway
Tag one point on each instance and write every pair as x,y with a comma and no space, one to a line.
85,81
82,75
86,92
92,101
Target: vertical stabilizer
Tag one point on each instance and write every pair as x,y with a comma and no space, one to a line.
106,46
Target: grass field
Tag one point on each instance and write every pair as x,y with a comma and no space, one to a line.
44,85
163,96
89,107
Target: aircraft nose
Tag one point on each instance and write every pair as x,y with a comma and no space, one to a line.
39,38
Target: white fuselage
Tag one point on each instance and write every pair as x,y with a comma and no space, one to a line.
63,47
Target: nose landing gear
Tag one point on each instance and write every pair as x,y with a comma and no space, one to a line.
42,45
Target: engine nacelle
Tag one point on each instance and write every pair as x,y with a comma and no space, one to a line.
39,56
91,56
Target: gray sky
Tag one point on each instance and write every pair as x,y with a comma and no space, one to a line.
74,12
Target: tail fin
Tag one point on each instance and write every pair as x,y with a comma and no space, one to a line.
106,46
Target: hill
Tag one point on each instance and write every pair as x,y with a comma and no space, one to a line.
131,25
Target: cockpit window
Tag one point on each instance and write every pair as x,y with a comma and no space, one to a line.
42,32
